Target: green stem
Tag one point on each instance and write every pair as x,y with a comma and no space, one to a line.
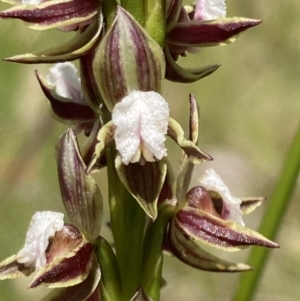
155,22
136,8
127,223
271,222
153,255
109,11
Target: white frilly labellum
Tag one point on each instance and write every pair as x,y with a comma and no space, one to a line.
141,121
211,181
43,225
210,10
63,77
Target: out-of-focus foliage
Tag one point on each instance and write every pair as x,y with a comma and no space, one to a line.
249,108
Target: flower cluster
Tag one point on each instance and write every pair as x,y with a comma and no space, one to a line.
116,103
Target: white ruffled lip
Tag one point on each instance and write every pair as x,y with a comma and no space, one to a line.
141,121
43,226
210,10
231,210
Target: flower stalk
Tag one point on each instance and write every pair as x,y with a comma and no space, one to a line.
127,220
136,9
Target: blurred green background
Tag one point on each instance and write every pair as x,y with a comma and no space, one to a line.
249,113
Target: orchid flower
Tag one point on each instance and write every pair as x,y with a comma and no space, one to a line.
207,215
60,256
204,25
63,255
62,87
212,217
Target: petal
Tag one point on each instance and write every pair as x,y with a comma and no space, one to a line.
248,204
66,110
81,44
167,192
88,148
173,10
127,49
13,2
187,165
144,182
177,74
183,180
194,119
199,198
64,242
175,132
89,86
43,226
10,268
104,137
54,14
69,260
81,195
186,250
209,33
213,231
251,203
79,292
210,10
141,121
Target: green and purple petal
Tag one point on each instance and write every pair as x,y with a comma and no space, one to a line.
10,268
213,231
77,47
250,204
173,10
127,49
177,74
187,251
81,195
90,89
54,14
144,182
175,132
104,137
209,33
81,291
